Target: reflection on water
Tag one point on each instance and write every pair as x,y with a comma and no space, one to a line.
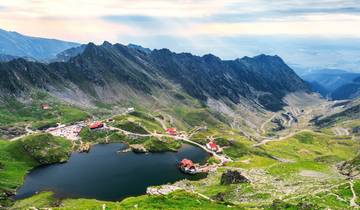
106,174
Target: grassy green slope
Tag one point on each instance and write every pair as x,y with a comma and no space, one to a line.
18,157
299,170
175,200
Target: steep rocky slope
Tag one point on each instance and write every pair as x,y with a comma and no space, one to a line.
104,73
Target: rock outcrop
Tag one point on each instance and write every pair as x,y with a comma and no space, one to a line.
138,148
233,177
350,168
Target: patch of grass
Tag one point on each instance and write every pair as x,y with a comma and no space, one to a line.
253,161
13,111
44,124
69,114
322,145
213,160
172,201
236,150
95,135
337,198
42,200
131,127
289,169
138,119
281,205
15,163
165,144
47,149
328,159
196,117
305,138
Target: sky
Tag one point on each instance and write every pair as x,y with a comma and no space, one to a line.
306,33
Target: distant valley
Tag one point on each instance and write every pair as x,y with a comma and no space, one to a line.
334,84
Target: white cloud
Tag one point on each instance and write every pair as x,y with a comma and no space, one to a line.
198,26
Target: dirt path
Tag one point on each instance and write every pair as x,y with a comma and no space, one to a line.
353,199
262,127
222,158
162,123
128,132
28,132
196,130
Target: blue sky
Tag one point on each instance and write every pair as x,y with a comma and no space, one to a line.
307,34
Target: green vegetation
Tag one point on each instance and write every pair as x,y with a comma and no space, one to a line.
47,149
138,122
18,157
42,200
281,205
131,127
197,117
175,200
310,145
153,144
96,135
236,150
294,173
13,111
15,163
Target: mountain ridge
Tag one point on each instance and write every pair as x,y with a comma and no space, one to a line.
42,49
262,79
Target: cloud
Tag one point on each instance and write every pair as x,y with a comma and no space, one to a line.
228,28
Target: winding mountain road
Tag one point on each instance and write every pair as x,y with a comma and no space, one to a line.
265,141
354,198
339,131
262,127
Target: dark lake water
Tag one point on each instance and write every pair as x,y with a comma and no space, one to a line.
106,174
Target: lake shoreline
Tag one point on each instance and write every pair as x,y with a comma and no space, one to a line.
169,165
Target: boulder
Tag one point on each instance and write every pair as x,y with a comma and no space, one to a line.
233,177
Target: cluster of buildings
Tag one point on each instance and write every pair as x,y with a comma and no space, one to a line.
70,132
187,166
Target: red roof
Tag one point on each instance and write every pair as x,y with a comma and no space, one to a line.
171,131
213,145
45,106
186,163
96,125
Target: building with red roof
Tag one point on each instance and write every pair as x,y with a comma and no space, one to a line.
186,163
213,146
45,106
96,125
171,131
187,166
